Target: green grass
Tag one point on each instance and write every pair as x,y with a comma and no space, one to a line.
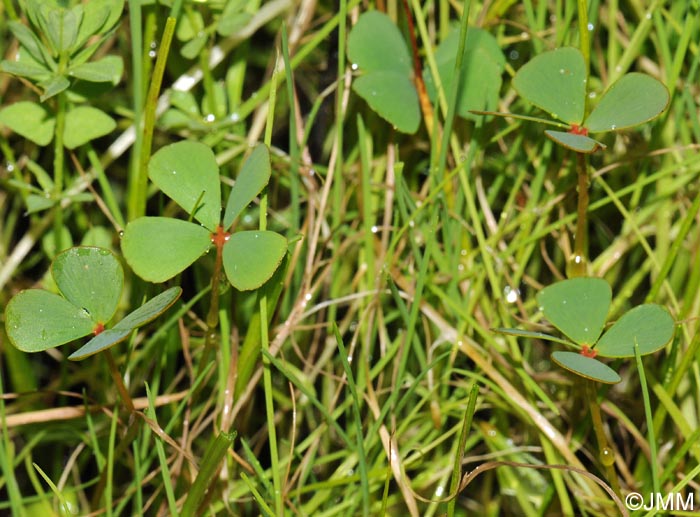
365,379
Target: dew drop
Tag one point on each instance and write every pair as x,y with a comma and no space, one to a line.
513,55
613,127
592,95
174,172
590,27
375,229
607,456
354,66
235,117
648,16
210,117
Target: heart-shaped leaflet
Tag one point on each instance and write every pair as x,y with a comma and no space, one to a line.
90,282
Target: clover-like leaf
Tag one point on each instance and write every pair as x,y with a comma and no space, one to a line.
30,120
632,100
482,68
575,142
586,367
91,279
90,282
86,123
250,258
377,49
37,320
577,307
254,175
187,172
555,81
158,248
649,325
144,314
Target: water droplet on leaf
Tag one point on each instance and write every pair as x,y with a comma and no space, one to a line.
607,456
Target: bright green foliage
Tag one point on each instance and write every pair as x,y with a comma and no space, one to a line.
634,99
555,81
250,258
85,123
482,70
53,55
649,325
188,174
254,175
59,33
30,120
578,307
90,282
144,314
158,248
585,367
377,49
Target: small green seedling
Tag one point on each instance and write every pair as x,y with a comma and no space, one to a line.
555,81
158,248
578,307
90,282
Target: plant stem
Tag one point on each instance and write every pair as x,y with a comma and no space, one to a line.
119,382
584,42
58,161
579,261
607,455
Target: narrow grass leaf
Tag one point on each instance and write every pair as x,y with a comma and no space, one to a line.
158,248
209,467
649,325
184,171
586,367
254,175
352,387
531,334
